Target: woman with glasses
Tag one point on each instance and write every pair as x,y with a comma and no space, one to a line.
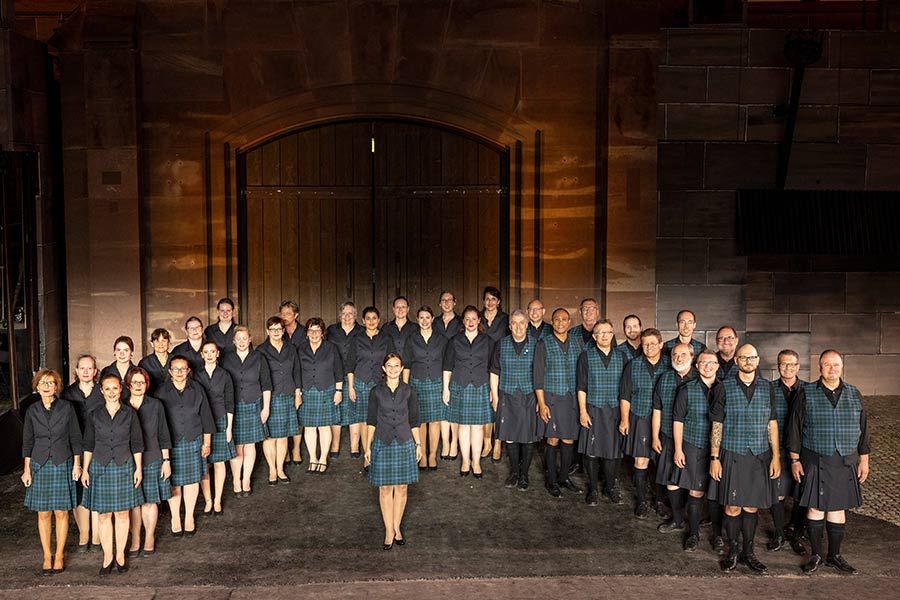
157,362
341,334
190,348
284,367
220,393
123,348
322,373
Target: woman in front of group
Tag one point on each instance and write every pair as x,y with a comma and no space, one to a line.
85,396
191,425
284,367
222,331
157,362
364,370
423,360
190,348
393,446
466,388
156,467
341,334
253,392
220,393
322,377
123,349
112,475
448,324
51,445
496,326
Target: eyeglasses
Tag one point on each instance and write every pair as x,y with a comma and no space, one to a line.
789,365
748,359
275,329
50,383
726,338
138,382
707,363
179,370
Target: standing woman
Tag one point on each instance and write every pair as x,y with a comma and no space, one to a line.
341,334
295,333
393,446
112,475
467,388
220,393
284,366
51,445
123,348
401,327
85,397
364,371
423,359
253,392
222,331
496,326
449,324
190,348
156,468
191,425
322,376
157,362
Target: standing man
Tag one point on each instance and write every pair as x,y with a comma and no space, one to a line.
744,454
726,342
537,327
555,367
590,312
829,446
631,347
687,323
635,405
599,369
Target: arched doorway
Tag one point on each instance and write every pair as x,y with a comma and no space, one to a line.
367,210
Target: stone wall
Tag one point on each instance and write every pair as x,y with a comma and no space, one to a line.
718,131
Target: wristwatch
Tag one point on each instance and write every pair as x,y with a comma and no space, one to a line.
713,458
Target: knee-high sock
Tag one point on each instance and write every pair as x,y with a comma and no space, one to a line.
610,473
778,517
550,453
676,499
798,518
815,529
835,537
662,494
748,528
640,484
525,461
694,508
566,454
512,450
732,529
593,471
716,514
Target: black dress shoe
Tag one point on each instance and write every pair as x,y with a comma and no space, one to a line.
754,563
797,545
387,546
273,481
592,498
46,572
523,483
614,495
148,553
284,479
670,527
812,565
775,544
838,562
99,547
718,545
104,571
662,511
691,543
553,490
400,542
642,511
477,475
123,568
511,481
355,455
334,454
730,561
571,486
60,570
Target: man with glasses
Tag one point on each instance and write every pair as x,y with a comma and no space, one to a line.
744,454
537,326
726,342
687,323
829,444
590,313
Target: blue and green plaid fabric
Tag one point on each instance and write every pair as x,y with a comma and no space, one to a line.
429,392
247,428
642,384
746,426
155,488
517,370
696,420
827,429
221,449
52,487
666,387
318,409
603,381
282,421
394,463
187,465
112,488
561,368
470,405
346,409
361,406
697,346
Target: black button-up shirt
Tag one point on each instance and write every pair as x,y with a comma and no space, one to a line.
399,336
185,350
155,429
83,405
343,340
225,341
469,362
540,331
113,438
393,414
498,328
425,360
219,390
450,329
158,372
187,410
251,376
298,338
111,369
321,369
284,366
51,434
367,354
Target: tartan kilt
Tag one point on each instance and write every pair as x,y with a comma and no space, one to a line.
282,422
695,474
784,485
247,428
394,463
563,423
517,417
52,487
187,465
470,405
221,449
155,488
603,439
112,488
346,407
318,409
639,441
829,482
359,412
745,480
431,403
665,462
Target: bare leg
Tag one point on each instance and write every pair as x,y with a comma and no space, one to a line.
296,455
83,521
324,444
150,514
236,463
465,440
497,450
247,467
106,537
121,536
95,528
45,526
386,502
219,474
399,507
454,440
269,452
486,439
335,438
477,442
207,493
364,434
62,532
135,520
281,450
355,433
434,437
175,508
445,438
190,493
423,436
310,437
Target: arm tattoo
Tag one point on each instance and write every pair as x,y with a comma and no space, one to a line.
715,438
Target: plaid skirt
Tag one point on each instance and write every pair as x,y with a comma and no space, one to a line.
318,409
695,474
155,488
247,428
564,423
394,463
745,480
52,487
346,407
112,488
431,403
282,421
360,408
221,449
829,482
470,405
517,417
602,439
187,465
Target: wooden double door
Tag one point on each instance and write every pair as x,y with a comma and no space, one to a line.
369,210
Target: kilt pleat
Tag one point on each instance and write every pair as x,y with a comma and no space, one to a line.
394,463
517,417
429,392
745,480
188,466
665,462
346,407
318,409
155,488
282,420
603,439
784,485
247,428
112,488
470,405
360,409
563,423
639,441
695,474
52,487
829,482
221,449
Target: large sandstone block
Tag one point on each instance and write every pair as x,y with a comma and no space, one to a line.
724,84
827,166
765,48
715,305
870,292
703,122
765,86
760,293
874,124
850,333
502,21
725,265
853,87
727,166
705,46
709,214
680,166
820,86
671,214
890,334
769,343
884,87
870,49
768,322
681,84
882,172
810,292
874,375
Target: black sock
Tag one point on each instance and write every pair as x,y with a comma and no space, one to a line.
566,454
815,529
512,450
835,537
694,508
778,517
748,528
593,471
550,453
640,484
676,499
798,518
527,453
610,473
716,515
732,529
662,493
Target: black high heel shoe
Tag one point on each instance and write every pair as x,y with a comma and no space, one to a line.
464,473
386,547
123,568
104,571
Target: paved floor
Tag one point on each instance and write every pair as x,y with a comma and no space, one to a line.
881,492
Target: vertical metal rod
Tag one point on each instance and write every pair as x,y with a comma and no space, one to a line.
784,155
7,298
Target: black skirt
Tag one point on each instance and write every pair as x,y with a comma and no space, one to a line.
563,422
603,439
639,441
829,482
695,474
517,418
665,462
745,480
